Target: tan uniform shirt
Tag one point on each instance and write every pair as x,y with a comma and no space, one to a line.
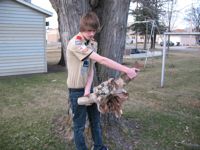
78,63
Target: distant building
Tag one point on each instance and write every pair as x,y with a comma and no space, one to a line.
53,36
185,40
22,38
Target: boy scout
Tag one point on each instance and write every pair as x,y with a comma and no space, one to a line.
81,56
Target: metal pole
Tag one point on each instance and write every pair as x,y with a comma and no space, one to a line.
151,35
163,62
164,50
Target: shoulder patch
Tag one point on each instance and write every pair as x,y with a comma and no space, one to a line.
78,37
78,40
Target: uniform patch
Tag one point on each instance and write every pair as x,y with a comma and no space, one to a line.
78,40
78,37
86,63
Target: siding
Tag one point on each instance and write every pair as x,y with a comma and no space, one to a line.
22,39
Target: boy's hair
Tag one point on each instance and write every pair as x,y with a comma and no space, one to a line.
89,21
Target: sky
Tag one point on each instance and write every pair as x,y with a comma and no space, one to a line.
182,7
179,23
45,4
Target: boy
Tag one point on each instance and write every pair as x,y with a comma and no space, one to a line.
81,55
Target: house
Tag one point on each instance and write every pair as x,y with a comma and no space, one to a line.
184,40
22,38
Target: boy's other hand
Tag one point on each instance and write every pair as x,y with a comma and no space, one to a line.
87,92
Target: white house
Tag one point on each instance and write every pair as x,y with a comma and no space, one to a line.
22,38
185,40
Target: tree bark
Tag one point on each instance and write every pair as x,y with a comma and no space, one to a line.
113,17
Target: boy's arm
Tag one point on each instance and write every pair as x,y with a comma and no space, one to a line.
89,82
131,72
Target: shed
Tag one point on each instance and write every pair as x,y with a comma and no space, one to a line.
22,38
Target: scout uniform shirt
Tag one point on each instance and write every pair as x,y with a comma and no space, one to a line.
78,63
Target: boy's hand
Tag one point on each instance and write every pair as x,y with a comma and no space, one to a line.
132,72
87,92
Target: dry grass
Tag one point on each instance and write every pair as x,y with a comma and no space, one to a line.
166,113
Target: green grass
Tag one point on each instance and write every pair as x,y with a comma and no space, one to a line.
28,104
168,118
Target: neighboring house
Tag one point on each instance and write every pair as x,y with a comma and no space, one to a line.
185,40
22,38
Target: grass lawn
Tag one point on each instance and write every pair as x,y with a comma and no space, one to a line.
168,118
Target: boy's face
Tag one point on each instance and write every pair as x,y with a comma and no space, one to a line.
89,34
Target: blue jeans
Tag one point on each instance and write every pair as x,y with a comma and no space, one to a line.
79,119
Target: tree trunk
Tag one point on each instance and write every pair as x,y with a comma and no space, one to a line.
146,36
153,41
113,16
62,57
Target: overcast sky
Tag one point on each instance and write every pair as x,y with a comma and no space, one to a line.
182,6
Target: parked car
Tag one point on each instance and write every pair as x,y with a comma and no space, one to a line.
170,43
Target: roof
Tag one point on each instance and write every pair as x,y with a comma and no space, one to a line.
39,9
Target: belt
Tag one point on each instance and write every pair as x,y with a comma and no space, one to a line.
76,89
